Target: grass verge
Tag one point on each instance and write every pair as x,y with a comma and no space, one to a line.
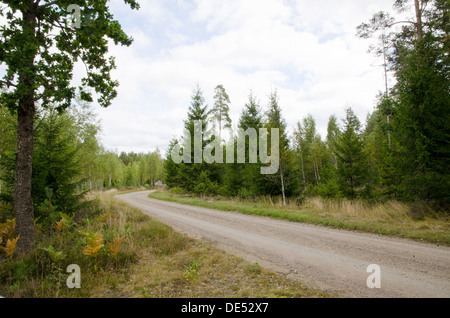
152,260
391,218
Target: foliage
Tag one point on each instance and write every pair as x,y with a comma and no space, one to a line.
55,255
10,246
221,109
113,247
94,245
350,155
191,271
353,161
7,230
419,101
39,50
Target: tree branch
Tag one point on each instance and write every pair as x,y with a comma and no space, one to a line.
48,4
7,83
410,22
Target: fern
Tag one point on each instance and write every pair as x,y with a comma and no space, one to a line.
7,229
94,245
67,220
114,247
10,247
54,254
59,226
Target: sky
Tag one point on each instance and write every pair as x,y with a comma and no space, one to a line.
305,50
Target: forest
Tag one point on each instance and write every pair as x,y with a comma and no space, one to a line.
390,168
69,160
51,153
400,151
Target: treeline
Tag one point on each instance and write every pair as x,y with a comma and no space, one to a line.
69,160
338,165
401,151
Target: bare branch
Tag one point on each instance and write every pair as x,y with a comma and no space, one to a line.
399,22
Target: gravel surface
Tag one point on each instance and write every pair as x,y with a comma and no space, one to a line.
332,260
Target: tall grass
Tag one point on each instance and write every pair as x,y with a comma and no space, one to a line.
152,260
352,208
394,218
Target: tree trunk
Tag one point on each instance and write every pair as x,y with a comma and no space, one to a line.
23,203
419,25
303,170
282,187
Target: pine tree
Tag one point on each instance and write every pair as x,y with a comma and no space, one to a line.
221,109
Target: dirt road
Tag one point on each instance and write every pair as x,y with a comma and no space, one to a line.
328,259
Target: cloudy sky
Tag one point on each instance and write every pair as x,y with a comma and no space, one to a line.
306,50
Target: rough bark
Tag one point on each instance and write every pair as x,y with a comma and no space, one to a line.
419,25
23,203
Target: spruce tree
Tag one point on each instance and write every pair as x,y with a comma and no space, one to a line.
171,168
350,155
284,179
189,173
248,175
419,60
55,162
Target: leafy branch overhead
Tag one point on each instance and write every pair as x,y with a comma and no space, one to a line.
39,47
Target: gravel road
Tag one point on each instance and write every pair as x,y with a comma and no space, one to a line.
335,261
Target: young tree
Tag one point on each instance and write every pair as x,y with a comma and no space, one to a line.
274,119
39,51
8,131
304,137
350,155
245,178
111,168
55,162
332,134
189,172
251,118
155,170
170,167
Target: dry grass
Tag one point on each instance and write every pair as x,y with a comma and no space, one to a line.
165,267
392,218
152,261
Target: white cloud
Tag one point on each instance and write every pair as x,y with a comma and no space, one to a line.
307,50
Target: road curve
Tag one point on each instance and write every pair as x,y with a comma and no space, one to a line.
332,260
